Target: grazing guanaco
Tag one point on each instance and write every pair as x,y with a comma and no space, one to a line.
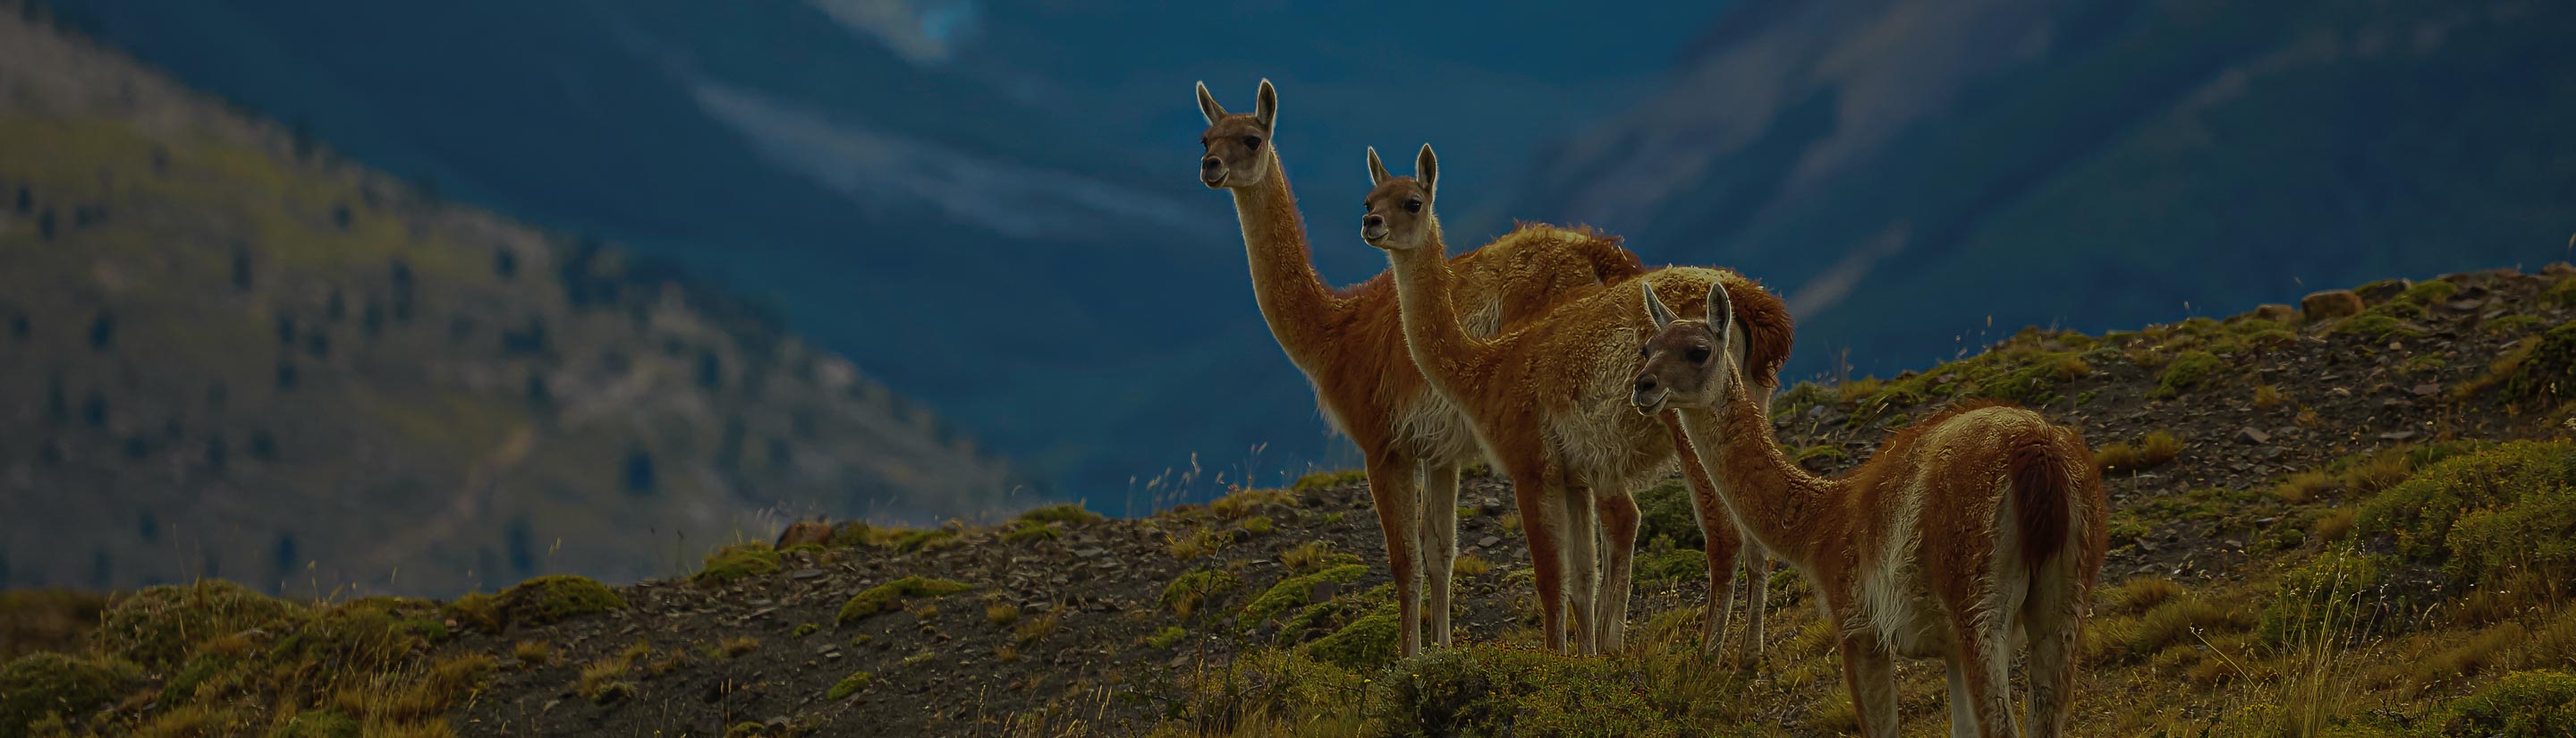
1545,400
1350,344
1978,528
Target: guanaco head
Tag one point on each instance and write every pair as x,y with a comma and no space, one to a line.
1237,153
1686,363
1399,209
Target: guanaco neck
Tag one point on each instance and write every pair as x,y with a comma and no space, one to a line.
1790,511
1441,347
1294,300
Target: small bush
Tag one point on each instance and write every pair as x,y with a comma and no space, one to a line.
1166,637
1030,530
1001,613
1034,629
2486,513
1665,511
1296,592
2529,704
1471,565
1070,513
1329,480
538,601
2268,396
1314,556
533,653
850,685
1257,525
735,562
737,646
2151,451
1184,595
160,625
2324,599
48,683
2137,596
1367,644
2376,326
1488,689
2187,371
884,597
2545,368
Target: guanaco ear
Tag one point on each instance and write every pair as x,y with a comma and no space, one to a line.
1208,106
1426,170
1721,312
1377,169
1265,107
1663,316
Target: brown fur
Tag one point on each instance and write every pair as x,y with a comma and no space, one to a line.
1913,553
1544,397
1350,343
804,532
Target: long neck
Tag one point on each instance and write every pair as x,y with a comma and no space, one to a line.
1293,298
1439,345
1781,505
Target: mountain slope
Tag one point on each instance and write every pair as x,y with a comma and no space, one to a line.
234,355
2308,457
2128,160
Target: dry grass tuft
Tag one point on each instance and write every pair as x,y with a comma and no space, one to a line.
2155,449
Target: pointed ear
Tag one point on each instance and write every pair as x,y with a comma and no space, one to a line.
1208,106
1426,170
1663,316
1721,312
1265,107
1377,169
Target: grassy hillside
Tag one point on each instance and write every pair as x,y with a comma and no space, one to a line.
2347,526
234,355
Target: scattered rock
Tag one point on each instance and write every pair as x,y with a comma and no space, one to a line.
2397,435
2255,435
2275,312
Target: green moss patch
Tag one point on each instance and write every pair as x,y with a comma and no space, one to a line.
735,562
41,684
887,596
1297,592
552,598
850,685
2526,704
2187,371
159,626
1067,513
1366,644
1500,690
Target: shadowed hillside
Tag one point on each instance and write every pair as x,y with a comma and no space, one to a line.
232,354
2349,525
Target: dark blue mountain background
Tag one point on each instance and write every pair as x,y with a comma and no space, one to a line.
1917,182
989,205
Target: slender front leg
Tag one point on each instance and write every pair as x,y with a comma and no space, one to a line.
1583,562
1542,523
1618,513
1720,539
1391,487
1439,544
1757,595
1869,673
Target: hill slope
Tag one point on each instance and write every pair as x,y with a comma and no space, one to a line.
232,354
2255,463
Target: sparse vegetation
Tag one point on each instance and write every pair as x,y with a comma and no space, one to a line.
1071,513
735,562
889,595
2154,449
855,683
1184,595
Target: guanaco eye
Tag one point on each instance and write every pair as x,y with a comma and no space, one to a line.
1413,206
1698,355
1252,142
